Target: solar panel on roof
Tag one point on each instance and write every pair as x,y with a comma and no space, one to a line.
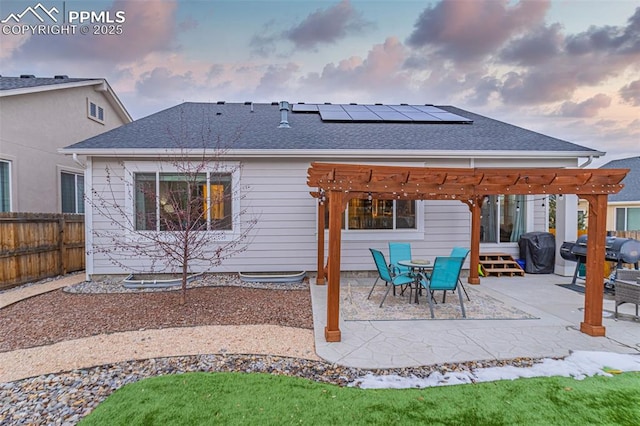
350,108
377,113
403,108
305,108
392,116
376,108
335,115
330,107
422,117
428,108
449,117
364,116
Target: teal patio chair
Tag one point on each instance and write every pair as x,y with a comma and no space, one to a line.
463,253
386,274
445,275
399,251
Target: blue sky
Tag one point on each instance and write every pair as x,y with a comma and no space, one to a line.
569,69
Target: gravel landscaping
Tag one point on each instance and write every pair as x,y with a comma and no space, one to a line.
63,399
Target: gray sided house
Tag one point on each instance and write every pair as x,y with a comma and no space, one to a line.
38,116
265,151
624,207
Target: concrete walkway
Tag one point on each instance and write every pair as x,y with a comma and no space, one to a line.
387,344
19,293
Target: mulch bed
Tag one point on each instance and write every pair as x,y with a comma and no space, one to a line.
58,316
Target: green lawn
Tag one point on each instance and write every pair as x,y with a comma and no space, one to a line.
262,399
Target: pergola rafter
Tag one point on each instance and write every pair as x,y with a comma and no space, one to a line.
339,183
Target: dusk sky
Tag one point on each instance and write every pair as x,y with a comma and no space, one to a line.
569,69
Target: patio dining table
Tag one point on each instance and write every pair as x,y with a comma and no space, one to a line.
417,266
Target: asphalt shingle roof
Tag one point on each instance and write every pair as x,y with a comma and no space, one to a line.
9,83
631,190
241,126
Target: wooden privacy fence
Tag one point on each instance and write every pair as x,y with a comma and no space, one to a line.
34,246
626,234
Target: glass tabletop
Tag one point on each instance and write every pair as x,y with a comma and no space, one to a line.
415,263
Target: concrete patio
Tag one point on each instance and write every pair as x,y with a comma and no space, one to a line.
390,344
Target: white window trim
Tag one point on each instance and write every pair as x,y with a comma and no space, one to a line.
133,167
384,234
10,170
95,117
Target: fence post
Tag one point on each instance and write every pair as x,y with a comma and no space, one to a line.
62,264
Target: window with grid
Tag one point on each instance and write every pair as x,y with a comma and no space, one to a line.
175,201
365,214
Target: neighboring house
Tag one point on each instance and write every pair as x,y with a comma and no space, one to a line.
623,213
274,144
38,116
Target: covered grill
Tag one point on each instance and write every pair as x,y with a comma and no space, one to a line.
619,250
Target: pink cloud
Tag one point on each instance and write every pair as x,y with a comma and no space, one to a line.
327,26
585,109
631,93
467,29
381,69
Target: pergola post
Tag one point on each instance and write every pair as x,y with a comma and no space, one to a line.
474,256
594,286
320,279
332,329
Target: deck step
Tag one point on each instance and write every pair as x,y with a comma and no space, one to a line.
499,264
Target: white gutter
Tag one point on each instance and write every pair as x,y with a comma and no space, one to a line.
331,153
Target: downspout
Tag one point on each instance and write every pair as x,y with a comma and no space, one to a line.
77,161
589,161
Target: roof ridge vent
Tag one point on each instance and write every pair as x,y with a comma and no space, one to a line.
27,76
284,119
61,77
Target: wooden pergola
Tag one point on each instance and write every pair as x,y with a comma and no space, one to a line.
337,184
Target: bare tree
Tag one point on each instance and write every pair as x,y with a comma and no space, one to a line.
182,214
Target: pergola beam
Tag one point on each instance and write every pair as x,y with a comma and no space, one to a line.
343,182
